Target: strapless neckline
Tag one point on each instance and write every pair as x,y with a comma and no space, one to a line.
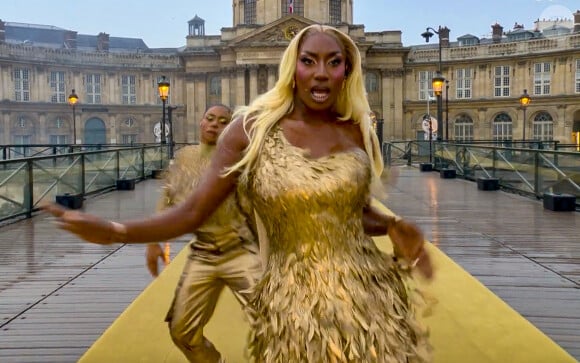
305,153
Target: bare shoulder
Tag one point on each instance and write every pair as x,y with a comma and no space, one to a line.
235,136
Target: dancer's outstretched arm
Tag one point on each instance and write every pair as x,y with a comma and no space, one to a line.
184,218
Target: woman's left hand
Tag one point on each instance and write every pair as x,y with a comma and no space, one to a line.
408,243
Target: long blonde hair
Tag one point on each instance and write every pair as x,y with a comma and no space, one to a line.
267,109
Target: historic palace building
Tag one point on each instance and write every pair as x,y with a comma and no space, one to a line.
116,78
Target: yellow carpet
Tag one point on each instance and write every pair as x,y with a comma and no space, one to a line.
469,324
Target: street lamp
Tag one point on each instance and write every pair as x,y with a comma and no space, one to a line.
72,100
438,80
163,88
524,102
171,139
446,110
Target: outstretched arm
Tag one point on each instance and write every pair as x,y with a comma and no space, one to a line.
176,221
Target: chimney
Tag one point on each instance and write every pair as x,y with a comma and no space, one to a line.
577,21
2,32
103,42
444,37
70,39
496,33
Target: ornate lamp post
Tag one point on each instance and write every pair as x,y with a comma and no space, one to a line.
72,100
524,102
438,80
446,110
171,139
163,88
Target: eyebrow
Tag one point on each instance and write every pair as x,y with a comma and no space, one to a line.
314,54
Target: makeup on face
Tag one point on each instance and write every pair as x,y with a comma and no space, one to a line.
320,70
213,123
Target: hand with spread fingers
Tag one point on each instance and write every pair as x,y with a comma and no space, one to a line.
87,226
408,243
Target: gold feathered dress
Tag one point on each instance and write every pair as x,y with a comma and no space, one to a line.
328,293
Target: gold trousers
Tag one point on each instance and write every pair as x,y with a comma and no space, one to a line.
197,294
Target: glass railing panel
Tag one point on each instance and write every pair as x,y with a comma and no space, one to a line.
100,170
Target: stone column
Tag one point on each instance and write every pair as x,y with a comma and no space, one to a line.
240,95
482,126
225,79
562,127
41,131
272,76
196,102
253,82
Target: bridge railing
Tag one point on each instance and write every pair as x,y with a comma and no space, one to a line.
27,182
529,170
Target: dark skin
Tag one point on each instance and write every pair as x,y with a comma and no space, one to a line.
321,68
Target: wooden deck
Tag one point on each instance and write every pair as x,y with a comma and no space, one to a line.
58,295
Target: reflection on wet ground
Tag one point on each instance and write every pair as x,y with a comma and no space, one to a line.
57,295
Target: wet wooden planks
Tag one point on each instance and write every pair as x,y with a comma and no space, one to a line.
528,256
57,295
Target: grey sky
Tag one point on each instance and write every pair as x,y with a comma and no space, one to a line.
164,24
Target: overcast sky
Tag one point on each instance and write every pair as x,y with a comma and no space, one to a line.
164,23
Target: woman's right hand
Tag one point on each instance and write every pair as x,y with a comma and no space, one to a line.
87,226
153,254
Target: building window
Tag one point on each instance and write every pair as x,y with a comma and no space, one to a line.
129,138
58,123
372,82
542,77
215,86
21,84
59,139
296,5
463,83
93,88
502,127
577,75
502,81
21,122
543,127
21,140
57,87
425,85
334,11
128,90
250,12
463,128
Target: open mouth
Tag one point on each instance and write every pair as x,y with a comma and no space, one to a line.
320,94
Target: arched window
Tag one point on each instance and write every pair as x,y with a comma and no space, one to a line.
543,127
502,127
371,82
297,7
249,11
463,128
335,11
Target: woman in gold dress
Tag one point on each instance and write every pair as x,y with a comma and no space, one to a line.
305,157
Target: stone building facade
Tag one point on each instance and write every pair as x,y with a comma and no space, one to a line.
116,78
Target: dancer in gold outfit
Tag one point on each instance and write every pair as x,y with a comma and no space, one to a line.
222,253
304,154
